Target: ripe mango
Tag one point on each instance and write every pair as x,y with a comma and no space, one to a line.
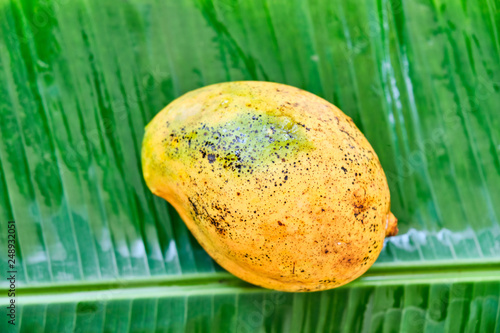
277,185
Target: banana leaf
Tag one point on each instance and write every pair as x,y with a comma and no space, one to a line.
96,251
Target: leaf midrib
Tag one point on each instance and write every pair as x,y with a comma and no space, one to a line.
393,274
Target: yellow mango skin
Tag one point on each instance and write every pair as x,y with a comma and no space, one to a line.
276,184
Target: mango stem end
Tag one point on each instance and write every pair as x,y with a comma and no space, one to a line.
392,225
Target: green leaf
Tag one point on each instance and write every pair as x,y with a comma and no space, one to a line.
96,251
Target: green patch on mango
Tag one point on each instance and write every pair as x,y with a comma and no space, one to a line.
249,142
